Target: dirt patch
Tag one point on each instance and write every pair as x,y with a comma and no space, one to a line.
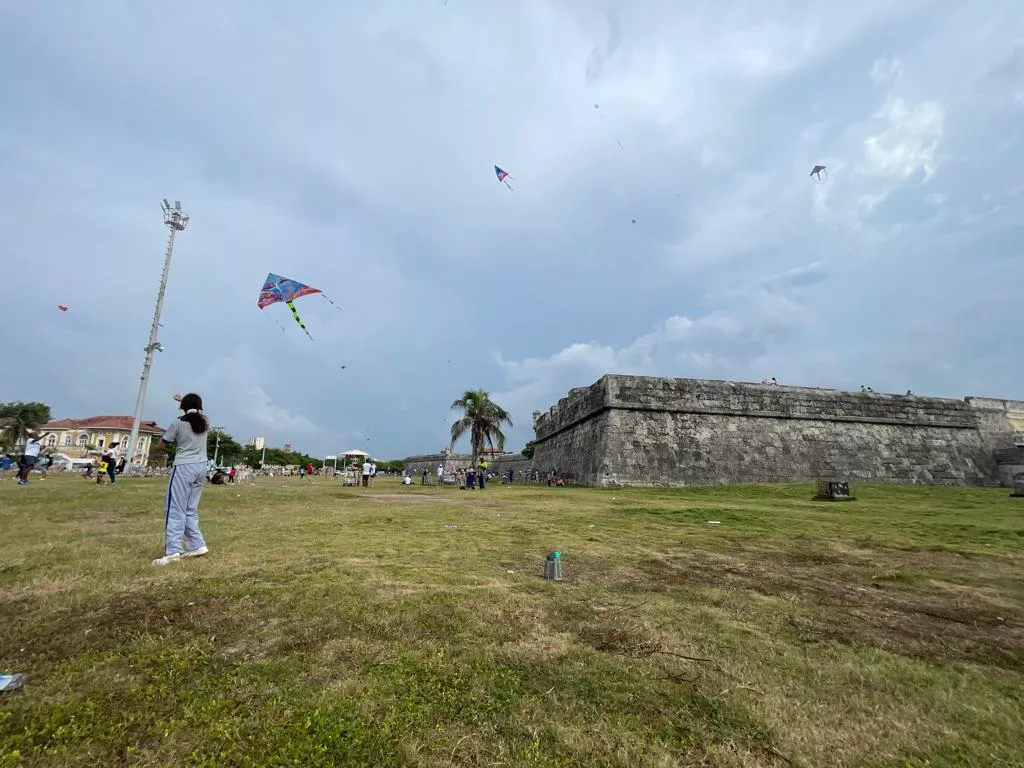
853,601
410,498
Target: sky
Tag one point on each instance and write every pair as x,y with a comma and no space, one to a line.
663,220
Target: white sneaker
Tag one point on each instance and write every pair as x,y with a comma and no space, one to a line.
167,559
195,552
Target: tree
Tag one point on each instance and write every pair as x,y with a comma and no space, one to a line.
481,419
529,448
16,419
228,451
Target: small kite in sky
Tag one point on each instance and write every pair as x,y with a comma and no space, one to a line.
277,288
816,172
62,308
503,177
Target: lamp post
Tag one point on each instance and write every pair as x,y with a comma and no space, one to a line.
176,220
216,447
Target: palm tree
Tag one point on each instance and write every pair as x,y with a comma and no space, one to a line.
482,419
16,419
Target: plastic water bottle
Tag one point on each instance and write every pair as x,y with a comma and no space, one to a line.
10,682
553,567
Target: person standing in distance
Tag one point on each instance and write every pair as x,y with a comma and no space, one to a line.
188,476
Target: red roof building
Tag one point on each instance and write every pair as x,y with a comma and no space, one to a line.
76,437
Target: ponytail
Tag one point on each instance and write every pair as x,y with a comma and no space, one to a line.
192,405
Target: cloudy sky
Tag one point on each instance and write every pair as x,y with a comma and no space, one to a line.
351,146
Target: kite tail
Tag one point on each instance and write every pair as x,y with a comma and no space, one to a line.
279,324
331,302
295,314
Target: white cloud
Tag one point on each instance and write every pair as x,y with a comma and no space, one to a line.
734,340
886,70
909,142
233,393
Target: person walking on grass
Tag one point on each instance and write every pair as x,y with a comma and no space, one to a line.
188,476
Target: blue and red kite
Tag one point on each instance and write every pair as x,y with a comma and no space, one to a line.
503,177
277,288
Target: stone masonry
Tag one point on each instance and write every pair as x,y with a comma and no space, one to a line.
638,430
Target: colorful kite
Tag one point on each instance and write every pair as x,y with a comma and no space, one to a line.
62,308
503,177
277,288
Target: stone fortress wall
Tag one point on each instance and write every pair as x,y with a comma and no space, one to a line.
416,464
664,431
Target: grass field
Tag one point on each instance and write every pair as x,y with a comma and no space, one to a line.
333,626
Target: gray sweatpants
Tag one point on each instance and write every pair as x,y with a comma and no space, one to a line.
183,490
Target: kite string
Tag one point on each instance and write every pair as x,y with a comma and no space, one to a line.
331,302
610,132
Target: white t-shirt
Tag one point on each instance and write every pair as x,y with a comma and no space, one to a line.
32,447
366,467
440,471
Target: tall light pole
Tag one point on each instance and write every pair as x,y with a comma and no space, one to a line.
176,220
216,449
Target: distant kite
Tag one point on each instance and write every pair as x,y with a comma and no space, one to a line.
503,177
62,308
817,172
277,288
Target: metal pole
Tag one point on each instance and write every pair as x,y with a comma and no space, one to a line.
176,221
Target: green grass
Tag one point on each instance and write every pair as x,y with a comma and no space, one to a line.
333,626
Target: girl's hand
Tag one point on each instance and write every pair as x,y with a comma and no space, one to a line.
178,398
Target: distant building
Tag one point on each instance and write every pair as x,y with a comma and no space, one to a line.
287,447
71,436
257,442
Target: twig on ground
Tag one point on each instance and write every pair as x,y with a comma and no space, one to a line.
451,757
681,677
779,755
683,656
